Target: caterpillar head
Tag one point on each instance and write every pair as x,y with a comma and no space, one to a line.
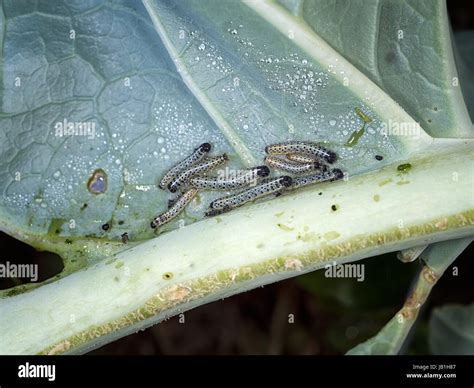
338,174
331,157
286,181
262,171
205,147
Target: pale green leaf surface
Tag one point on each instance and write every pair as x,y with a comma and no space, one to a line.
244,81
114,74
403,46
464,45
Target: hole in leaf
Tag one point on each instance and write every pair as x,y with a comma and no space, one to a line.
21,264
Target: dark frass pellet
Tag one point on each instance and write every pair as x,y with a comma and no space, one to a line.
124,237
379,157
105,227
404,168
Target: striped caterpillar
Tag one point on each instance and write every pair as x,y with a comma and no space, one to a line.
291,166
176,208
302,158
332,175
192,159
246,178
196,169
275,185
300,147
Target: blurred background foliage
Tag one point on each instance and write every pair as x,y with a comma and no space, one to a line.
310,314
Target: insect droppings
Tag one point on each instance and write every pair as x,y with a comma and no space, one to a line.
105,227
379,157
238,180
124,237
404,168
191,160
207,165
168,276
175,209
271,187
300,147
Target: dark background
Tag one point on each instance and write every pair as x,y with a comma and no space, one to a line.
330,315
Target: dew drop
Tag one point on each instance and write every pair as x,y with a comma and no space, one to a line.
202,47
332,123
57,174
160,140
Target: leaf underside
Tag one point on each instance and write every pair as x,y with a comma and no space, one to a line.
154,80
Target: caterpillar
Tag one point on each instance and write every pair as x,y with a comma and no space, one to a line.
300,147
291,166
175,209
247,178
302,158
332,175
192,159
196,169
270,187
217,212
